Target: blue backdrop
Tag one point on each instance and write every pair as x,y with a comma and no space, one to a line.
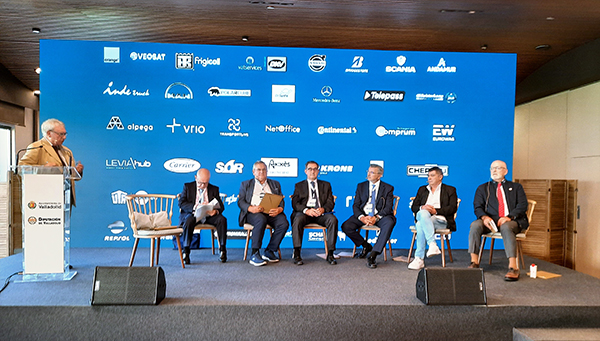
145,116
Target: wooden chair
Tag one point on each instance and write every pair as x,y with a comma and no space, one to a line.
150,216
520,237
388,246
314,226
212,229
444,236
249,229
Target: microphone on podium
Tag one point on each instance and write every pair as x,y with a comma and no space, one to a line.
24,149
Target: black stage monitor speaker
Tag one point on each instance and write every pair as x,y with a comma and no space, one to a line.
128,285
444,286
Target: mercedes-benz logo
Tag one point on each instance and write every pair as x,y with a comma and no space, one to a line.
326,91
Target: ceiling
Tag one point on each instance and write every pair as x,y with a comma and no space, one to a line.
514,26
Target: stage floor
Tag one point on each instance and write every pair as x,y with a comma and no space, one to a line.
208,282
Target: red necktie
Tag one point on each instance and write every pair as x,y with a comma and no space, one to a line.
500,201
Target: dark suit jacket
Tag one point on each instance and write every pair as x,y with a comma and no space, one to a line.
246,192
384,203
187,199
448,201
302,194
486,202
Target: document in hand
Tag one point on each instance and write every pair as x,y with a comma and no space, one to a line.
201,210
270,201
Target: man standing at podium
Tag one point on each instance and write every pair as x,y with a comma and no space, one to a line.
50,152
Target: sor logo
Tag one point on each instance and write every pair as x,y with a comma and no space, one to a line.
317,62
31,220
31,205
231,167
233,124
443,132
277,64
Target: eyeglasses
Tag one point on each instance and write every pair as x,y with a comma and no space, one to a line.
312,169
202,183
497,168
59,134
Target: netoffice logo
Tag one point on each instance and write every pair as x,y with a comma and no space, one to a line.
118,197
443,132
383,131
147,56
282,128
115,122
383,96
112,55
357,64
281,167
400,67
124,92
317,62
181,165
422,171
178,90
441,67
277,64
231,167
187,128
217,92
283,93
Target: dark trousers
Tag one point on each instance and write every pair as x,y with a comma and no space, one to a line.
280,226
299,220
351,228
217,221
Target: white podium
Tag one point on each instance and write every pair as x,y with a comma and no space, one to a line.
46,211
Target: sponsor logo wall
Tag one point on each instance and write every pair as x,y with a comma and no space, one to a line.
148,116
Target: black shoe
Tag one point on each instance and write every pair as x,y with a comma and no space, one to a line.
186,258
223,256
372,263
365,251
331,260
298,260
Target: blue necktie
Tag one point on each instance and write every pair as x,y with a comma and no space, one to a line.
372,213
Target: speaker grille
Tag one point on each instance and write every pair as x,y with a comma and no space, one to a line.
125,285
451,286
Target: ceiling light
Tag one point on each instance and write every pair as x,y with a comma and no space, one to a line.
36,30
38,70
36,92
484,47
245,38
270,7
549,18
543,47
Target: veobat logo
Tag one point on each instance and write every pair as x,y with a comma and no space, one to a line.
181,165
147,56
317,62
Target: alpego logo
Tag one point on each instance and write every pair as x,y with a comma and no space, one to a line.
181,165
384,96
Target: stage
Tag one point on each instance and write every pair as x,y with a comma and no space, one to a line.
235,300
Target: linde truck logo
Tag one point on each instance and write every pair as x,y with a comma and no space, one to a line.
384,96
124,92
147,56
281,167
383,131
422,171
181,165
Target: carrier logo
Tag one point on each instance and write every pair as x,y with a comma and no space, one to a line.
283,93
184,61
277,64
400,60
112,55
441,67
357,64
181,165
179,90
422,171
326,91
188,129
233,125
118,197
231,167
326,169
116,228
281,167
124,92
384,96
382,131
115,122
443,132
147,56
250,65
317,62
216,92
123,164
282,129
332,130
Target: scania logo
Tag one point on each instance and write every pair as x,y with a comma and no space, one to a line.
181,165
277,64
317,62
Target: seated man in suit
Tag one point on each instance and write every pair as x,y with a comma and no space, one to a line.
373,205
499,205
434,208
251,193
313,203
194,194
